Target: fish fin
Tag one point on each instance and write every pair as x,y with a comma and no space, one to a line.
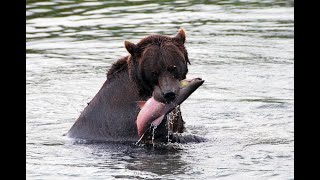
157,121
141,103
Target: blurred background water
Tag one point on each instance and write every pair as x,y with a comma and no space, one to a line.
242,48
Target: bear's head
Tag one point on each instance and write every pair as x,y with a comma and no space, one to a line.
157,63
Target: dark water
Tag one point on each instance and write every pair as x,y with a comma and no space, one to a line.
243,49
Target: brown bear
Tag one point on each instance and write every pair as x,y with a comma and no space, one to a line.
153,67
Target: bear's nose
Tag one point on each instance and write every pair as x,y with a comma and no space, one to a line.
169,96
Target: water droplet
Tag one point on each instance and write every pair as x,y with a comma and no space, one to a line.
153,132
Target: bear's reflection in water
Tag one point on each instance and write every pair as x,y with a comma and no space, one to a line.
151,161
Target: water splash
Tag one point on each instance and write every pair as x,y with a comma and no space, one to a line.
137,143
153,132
170,118
168,125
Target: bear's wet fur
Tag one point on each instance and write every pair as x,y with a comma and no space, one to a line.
153,67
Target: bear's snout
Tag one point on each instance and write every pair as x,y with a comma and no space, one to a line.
169,96
164,96
167,89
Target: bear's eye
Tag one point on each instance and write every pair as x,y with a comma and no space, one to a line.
172,68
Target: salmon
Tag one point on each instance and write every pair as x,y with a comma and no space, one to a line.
152,112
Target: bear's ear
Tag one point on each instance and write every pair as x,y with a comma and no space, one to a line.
181,36
131,47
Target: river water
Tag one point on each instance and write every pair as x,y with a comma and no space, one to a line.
243,49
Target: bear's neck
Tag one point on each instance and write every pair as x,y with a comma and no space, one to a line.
126,65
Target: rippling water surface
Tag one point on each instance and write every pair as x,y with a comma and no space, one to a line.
243,49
